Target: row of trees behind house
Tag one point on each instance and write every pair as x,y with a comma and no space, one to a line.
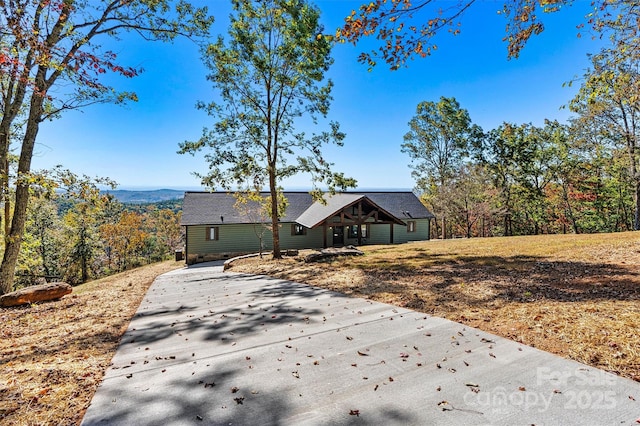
523,179
520,179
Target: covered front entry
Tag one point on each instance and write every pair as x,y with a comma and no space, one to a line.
338,236
354,212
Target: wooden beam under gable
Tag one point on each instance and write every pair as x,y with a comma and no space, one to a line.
360,222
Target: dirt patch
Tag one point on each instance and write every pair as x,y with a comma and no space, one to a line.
577,296
53,355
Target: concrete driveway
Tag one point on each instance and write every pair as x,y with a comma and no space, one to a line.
208,347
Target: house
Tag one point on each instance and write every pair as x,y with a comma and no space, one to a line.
217,229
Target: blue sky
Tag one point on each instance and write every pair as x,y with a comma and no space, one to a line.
136,144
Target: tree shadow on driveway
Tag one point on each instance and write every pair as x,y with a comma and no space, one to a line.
219,308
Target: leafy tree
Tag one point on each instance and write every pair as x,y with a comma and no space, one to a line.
166,226
465,201
587,179
126,238
472,199
408,28
533,175
87,206
438,141
609,98
43,226
164,232
498,154
564,166
619,20
51,61
269,74
83,241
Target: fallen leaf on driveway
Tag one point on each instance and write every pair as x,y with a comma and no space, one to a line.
445,406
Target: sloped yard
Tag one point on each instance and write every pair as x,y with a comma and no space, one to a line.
53,355
577,296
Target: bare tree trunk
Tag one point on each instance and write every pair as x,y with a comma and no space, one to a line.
569,209
14,239
630,139
275,225
636,197
5,140
84,267
506,225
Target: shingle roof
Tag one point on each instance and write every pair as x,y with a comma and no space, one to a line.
403,205
318,212
215,208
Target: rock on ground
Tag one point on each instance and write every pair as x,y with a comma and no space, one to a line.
36,293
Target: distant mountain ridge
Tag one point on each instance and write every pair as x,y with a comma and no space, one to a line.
142,197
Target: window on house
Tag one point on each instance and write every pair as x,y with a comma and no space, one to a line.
212,233
297,229
353,231
411,226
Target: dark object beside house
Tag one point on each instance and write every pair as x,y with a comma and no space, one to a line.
217,229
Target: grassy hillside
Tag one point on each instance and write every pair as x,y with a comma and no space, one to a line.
53,355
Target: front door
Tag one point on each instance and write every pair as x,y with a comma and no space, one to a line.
338,235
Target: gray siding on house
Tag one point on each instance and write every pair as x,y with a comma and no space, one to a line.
235,239
380,234
313,238
421,233
232,240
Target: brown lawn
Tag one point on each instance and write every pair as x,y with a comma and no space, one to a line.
53,355
577,296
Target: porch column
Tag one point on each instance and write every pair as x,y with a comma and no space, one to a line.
324,235
359,221
391,233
